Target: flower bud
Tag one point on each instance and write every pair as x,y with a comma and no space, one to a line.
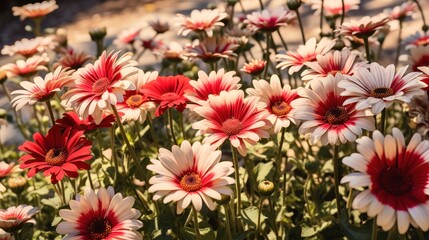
3,76
17,184
266,188
97,34
225,199
293,4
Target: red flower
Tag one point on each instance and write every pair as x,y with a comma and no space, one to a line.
168,92
57,154
71,119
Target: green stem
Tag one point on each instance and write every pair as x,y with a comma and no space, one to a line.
63,191
16,235
51,112
284,181
383,121
421,13
152,132
307,200
398,47
337,180
321,16
170,122
273,216
237,179
37,26
375,229
15,114
343,14
279,153
57,191
182,127
301,26
420,234
196,226
112,148
100,143
258,229
228,221
267,56
91,184
282,40
100,47
366,43
140,170
261,4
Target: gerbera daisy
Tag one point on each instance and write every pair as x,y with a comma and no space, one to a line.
334,8
254,67
425,71
211,84
295,60
397,179
7,168
231,116
127,37
101,215
343,62
417,39
172,52
419,57
12,218
151,44
35,10
200,21
402,11
136,105
168,92
364,27
270,20
324,115
28,47
73,59
101,84
72,120
42,89
190,174
379,87
26,68
159,26
277,99
212,49
61,152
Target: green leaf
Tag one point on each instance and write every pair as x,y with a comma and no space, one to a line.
250,216
262,170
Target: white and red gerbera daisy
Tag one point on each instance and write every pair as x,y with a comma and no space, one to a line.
343,62
12,218
28,67
167,92
277,99
100,85
396,175
136,105
254,67
200,21
211,84
364,27
212,49
324,116
231,116
35,10
378,87
100,215
72,120
127,37
72,59
43,89
334,8
417,39
270,20
190,174
295,60
28,47
419,57
61,152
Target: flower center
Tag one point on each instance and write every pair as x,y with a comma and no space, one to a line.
99,229
56,156
170,96
42,96
135,101
381,92
395,181
232,126
336,115
100,86
281,108
191,182
334,72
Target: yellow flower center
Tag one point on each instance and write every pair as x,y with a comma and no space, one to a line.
191,182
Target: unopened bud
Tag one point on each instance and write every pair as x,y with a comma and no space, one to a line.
225,199
17,184
97,34
293,4
266,188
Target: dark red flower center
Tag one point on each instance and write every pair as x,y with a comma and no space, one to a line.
281,108
99,228
232,126
170,96
336,115
135,101
56,156
191,182
381,92
42,96
395,181
100,86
